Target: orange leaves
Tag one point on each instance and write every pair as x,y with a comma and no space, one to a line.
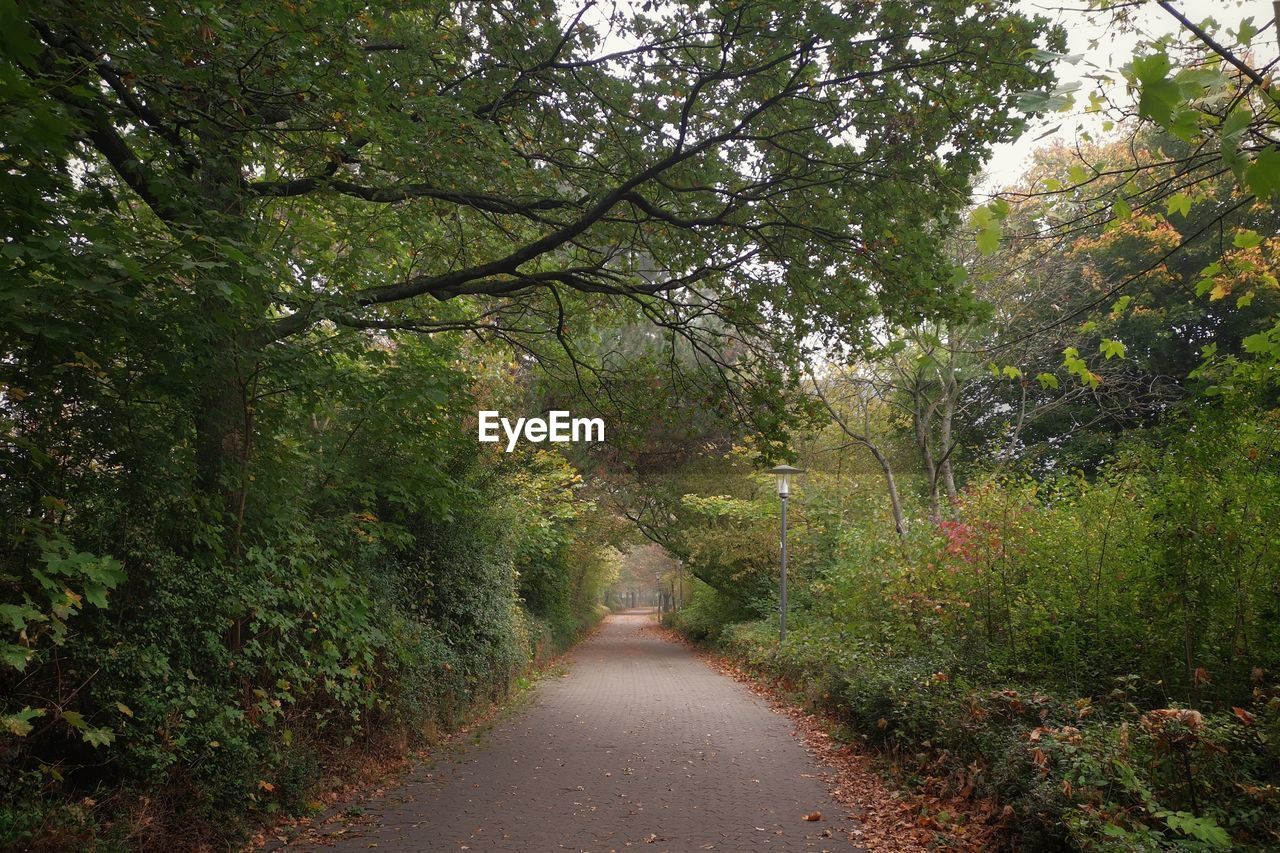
1177,727
1244,716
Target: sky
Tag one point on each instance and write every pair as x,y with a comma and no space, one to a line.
1113,50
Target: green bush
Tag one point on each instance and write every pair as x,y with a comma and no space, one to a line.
1098,653
217,668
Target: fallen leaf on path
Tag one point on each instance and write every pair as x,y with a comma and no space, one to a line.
884,818
813,816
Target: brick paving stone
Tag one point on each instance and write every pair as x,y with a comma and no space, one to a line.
639,746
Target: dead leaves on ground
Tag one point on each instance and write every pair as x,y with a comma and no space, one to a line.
885,818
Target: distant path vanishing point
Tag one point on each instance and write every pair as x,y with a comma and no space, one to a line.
639,746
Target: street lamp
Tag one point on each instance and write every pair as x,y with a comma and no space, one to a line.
784,473
680,575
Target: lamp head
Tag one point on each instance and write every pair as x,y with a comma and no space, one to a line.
784,473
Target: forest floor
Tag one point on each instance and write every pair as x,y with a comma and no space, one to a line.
638,743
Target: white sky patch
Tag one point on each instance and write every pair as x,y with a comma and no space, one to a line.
1113,49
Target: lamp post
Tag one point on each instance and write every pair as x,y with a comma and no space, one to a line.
784,473
680,570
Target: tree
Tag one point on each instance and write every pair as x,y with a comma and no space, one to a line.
474,167
1100,321
864,396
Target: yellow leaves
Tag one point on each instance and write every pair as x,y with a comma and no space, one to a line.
1248,267
264,785
84,362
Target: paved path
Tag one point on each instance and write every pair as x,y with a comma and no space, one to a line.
641,745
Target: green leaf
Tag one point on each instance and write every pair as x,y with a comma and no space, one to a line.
1235,123
15,656
1150,69
1178,203
1263,176
1246,239
1203,829
1120,304
989,240
1045,100
1122,209
1110,348
75,719
95,594
1196,80
986,219
19,724
1048,381
1259,344
98,736
20,615
1077,174
1246,31
1011,372
1159,100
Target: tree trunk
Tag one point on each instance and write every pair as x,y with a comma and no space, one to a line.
899,522
229,306
222,440
944,439
925,446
